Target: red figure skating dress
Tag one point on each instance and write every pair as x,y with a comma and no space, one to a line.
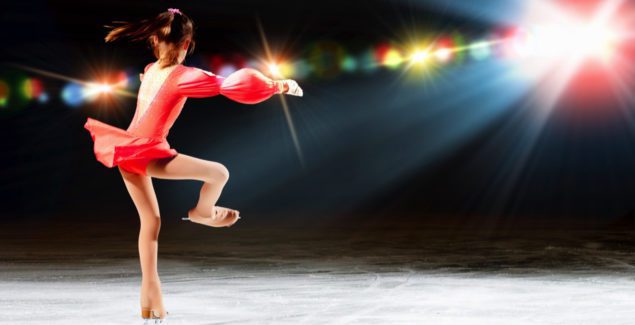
160,104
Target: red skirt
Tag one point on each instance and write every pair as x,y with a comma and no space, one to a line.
116,147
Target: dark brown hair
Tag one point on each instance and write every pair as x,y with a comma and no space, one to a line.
172,27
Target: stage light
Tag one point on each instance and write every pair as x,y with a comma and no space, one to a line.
574,52
132,78
72,94
31,88
43,98
392,59
522,43
480,50
215,63
97,88
459,45
367,61
227,69
286,70
419,56
92,91
104,88
443,54
445,49
274,69
4,93
302,69
566,34
121,80
572,40
253,63
348,64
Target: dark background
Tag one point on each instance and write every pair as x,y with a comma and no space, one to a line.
370,156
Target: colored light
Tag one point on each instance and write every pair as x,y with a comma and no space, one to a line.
572,40
100,88
367,61
286,69
302,69
95,90
227,69
4,93
132,81
31,88
480,50
325,59
348,64
459,43
444,49
72,94
215,63
419,56
122,79
443,54
274,69
380,52
393,58
253,63
43,98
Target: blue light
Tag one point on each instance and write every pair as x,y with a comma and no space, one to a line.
43,98
72,95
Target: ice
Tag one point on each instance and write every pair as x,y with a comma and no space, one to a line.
244,278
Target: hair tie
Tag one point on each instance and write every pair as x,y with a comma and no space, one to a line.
175,11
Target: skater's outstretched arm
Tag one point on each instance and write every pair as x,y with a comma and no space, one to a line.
247,86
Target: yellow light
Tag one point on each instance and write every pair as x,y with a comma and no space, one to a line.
419,56
393,58
274,69
286,69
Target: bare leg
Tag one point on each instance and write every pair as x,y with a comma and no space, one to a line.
214,177
142,193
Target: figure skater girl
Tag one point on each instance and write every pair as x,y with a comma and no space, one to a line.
142,152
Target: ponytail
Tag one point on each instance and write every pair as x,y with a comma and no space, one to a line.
171,27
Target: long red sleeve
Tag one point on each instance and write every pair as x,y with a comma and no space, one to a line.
247,86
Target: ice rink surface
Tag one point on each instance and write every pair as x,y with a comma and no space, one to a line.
90,275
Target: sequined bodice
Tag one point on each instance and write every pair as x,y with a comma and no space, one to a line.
158,102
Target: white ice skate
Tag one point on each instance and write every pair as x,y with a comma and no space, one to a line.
150,318
294,88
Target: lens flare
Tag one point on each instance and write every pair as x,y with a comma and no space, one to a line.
227,69
31,88
459,44
301,68
286,70
72,94
4,93
215,63
419,56
349,64
325,58
274,69
393,58
443,54
92,91
367,61
43,98
480,50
